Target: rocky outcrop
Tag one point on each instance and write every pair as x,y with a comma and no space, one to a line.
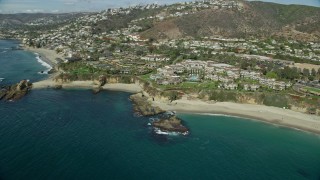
16,91
52,71
102,80
97,90
143,107
171,124
57,87
167,122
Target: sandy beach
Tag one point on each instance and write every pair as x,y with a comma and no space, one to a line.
274,115
49,83
49,56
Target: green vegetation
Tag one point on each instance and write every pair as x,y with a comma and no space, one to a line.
278,100
223,96
295,59
172,95
146,77
78,71
272,75
191,86
311,89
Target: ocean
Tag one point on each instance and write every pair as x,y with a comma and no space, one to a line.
16,65
74,134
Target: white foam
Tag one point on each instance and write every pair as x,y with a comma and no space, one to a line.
43,64
158,131
153,119
3,52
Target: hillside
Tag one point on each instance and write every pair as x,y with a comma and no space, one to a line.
258,19
12,20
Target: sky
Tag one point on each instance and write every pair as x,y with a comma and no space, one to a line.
58,6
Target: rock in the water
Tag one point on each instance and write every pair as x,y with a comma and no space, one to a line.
16,91
96,90
168,121
52,71
2,93
57,87
142,106
171,124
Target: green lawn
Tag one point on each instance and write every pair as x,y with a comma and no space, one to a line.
311,89
191,86
82,70
146,77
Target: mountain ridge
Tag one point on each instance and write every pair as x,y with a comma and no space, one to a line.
262,19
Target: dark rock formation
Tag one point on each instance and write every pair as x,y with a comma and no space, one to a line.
57,87
96,90
142,106
16,91
52,71
167,122
171,124
2,93
102,80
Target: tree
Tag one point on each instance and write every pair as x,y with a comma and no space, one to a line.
311,78
173,95
306,72
151,49
272,75
244,65
313,72
139,52
288,73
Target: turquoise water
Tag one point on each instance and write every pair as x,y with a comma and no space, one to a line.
16,65
73,134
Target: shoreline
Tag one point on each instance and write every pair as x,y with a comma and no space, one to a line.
267,114
46,55
257,119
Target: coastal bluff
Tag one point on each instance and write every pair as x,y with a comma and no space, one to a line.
16,91
143,107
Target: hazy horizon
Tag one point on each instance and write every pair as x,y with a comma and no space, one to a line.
60,6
